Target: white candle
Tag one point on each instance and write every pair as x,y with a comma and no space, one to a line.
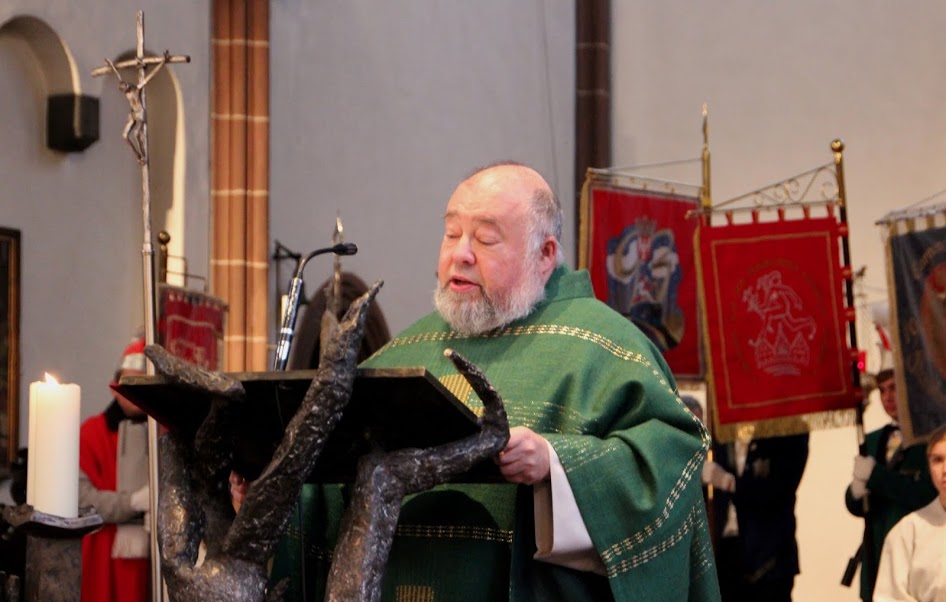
52,481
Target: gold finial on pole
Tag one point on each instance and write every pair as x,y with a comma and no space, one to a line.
163,239
837,147
706,200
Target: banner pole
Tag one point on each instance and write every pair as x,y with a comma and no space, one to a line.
837,147
706,203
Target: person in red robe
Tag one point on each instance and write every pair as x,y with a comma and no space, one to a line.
113,462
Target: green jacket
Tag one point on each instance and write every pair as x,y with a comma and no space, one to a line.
896,490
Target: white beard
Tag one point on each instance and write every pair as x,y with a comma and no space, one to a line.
488,311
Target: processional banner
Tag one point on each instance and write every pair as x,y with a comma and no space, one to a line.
917,273
775,320
190,325
638,248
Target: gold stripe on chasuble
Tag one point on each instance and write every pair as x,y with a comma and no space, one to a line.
626,564
414,593
460,387
538,329
613,552
456,532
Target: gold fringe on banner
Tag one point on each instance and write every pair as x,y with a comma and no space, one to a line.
781,427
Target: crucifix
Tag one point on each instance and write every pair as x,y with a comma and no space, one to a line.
135,134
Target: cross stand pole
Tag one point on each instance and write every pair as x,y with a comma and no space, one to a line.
136,136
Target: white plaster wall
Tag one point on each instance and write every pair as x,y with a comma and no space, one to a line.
783,79
379,109
79,213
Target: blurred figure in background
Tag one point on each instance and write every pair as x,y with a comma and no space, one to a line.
755,484
113,462
893,479
913,560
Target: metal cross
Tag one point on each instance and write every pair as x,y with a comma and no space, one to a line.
136,135
136,128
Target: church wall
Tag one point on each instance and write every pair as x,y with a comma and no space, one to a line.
379,109
782,80
80,213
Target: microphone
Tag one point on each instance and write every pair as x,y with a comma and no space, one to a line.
281,357
345,248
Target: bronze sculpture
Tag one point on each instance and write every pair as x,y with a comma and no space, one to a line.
195,503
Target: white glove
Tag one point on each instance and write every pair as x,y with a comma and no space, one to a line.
141,500
859,489
863,466
718,477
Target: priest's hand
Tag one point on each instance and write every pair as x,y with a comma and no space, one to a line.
238,489
526,457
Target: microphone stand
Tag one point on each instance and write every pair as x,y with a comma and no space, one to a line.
281,357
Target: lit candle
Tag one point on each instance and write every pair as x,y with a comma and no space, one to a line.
52,473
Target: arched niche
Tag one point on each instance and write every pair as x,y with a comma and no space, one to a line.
167,155
55,60
71,117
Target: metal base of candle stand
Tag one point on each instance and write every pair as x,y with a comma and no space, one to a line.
53,551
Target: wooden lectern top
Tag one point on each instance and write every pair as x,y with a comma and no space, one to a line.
390,408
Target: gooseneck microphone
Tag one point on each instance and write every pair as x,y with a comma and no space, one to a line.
281,357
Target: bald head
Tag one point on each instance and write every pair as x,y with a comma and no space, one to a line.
544,212
500,246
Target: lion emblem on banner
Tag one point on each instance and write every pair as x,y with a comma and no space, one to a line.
781,346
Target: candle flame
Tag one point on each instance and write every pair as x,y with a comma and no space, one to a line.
51,380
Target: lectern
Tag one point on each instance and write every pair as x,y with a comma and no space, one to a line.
390,408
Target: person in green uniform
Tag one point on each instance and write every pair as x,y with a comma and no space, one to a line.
889,482
602,497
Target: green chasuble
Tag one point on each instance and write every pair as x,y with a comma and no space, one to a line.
594,386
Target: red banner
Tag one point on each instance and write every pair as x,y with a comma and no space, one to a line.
640,256
775,319
190,325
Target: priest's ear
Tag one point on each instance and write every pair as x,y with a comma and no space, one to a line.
548,255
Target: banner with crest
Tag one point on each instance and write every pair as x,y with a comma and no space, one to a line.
775,319
916,268
637,244
190,325
778,309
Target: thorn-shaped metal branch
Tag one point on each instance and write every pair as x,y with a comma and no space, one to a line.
269,501
383,479
193,377
211,457
494,417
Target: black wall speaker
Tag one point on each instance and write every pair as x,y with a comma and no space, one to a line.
72,122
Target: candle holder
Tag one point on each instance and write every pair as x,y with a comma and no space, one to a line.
53,551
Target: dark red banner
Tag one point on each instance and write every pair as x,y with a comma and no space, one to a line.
190,325
642,264
775,319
